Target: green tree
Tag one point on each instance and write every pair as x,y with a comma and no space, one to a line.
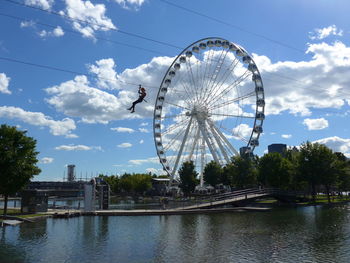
343,183
318,166
188,176
212,173
142,183
243,172
113,181
18,159
274,170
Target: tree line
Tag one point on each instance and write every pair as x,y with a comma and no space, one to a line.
312,168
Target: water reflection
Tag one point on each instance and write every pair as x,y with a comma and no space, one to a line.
10,251
307,234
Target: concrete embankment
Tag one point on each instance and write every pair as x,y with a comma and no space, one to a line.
141,212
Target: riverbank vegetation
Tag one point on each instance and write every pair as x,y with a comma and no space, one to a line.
311,169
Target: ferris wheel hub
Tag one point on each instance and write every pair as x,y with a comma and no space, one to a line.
200,112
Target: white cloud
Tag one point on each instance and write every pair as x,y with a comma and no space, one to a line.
242,131
4,84
286,136
141,141
105,71
87,17
298,87
321,33
57,32
72,147
144,124
63,127
44,4
46,160
78,98
29,23
316,124
143,161
128,4
337,144
124,145
144,130
123,129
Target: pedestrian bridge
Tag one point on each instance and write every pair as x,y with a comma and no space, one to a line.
237,198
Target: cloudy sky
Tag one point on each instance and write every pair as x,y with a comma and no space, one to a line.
70,68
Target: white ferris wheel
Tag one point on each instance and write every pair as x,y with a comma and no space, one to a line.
210,106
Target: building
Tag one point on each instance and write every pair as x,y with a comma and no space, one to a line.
277,148
71,173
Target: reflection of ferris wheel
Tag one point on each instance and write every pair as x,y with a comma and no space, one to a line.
211,98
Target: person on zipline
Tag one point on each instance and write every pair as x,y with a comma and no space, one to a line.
142,95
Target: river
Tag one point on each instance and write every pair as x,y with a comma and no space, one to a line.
304,234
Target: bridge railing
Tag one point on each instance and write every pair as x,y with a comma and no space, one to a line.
228,196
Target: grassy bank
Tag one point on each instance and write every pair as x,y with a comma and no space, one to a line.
17,213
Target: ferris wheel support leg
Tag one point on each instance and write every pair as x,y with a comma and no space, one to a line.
218,141
202,162
180,152
225,140
201,125
194,145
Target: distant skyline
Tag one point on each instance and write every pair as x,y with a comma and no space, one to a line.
69,69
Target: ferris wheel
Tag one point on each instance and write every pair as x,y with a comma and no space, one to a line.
210,106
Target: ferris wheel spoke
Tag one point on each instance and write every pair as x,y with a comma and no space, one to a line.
192,79
226,103
235,135
190,98
233,115
216,96
172,116
216,73
177,105
207,58
225,76
174,126
172,141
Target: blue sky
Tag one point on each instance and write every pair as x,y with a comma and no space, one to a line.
77,113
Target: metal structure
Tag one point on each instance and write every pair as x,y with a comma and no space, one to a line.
209,104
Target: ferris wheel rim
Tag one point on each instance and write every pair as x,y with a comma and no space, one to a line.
259,110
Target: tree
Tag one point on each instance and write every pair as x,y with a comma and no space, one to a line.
142,183
113,182
344,176
188,176
18,159
242,171
275,171
212,173
318,166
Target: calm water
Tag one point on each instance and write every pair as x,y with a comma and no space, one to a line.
309,234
